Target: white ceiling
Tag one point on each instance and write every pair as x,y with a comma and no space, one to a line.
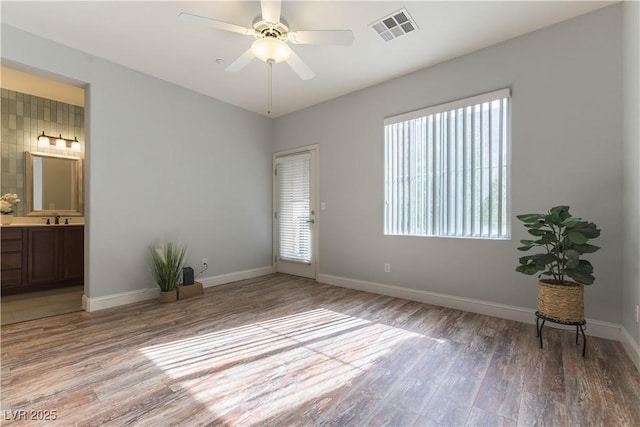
148,36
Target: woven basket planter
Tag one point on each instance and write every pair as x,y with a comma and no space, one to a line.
168,296
564,303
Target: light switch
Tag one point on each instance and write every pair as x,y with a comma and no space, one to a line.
323,206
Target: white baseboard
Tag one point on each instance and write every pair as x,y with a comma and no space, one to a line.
596,328
633,349
122,298
114,300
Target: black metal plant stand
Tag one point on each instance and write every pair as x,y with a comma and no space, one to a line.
578,325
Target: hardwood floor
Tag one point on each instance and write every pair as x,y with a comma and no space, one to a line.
280,350
36,305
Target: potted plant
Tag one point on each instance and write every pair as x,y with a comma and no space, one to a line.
7,202
563,240
167,262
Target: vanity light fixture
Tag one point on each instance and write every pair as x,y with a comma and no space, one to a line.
45,141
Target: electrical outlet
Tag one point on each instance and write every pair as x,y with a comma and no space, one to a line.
637,313
387,268
204,261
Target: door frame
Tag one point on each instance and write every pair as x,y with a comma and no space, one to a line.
315,187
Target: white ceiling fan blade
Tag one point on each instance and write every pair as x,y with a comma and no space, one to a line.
241,62
331,37
300,67
271,10
218,25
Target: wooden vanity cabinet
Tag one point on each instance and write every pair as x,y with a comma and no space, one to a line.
72,253
44,259
13,258
38,258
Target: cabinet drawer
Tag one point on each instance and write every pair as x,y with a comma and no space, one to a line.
11,233
11,277
11,260
11,245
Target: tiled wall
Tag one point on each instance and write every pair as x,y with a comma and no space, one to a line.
23,118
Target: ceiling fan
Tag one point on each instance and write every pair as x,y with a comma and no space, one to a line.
272,34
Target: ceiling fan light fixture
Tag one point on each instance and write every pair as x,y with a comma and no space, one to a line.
269,49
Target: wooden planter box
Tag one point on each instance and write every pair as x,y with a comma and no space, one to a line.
188,291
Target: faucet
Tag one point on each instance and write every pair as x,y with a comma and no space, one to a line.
57,219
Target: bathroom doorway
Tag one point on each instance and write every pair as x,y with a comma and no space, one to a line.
42,239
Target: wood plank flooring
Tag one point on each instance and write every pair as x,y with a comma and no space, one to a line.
37,305
279,350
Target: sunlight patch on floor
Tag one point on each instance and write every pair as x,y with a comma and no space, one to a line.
250,373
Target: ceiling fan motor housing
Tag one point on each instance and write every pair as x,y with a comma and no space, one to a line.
267,29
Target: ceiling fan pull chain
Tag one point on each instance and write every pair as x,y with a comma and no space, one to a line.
270,87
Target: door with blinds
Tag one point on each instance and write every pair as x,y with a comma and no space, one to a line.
295,212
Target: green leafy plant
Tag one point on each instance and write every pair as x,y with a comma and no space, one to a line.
563,240
167,262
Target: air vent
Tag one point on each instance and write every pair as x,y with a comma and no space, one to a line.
395,25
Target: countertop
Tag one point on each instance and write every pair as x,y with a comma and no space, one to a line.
27,221
14,225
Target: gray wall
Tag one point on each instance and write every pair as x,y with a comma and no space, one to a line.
631,253
566,149
162,163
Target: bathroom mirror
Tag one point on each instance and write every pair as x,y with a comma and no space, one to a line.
53,185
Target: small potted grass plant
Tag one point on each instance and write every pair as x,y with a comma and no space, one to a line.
167,263
563,240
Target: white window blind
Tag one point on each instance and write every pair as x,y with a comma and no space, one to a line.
293,210
447,169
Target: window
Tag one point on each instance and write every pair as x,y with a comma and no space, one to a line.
447,169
